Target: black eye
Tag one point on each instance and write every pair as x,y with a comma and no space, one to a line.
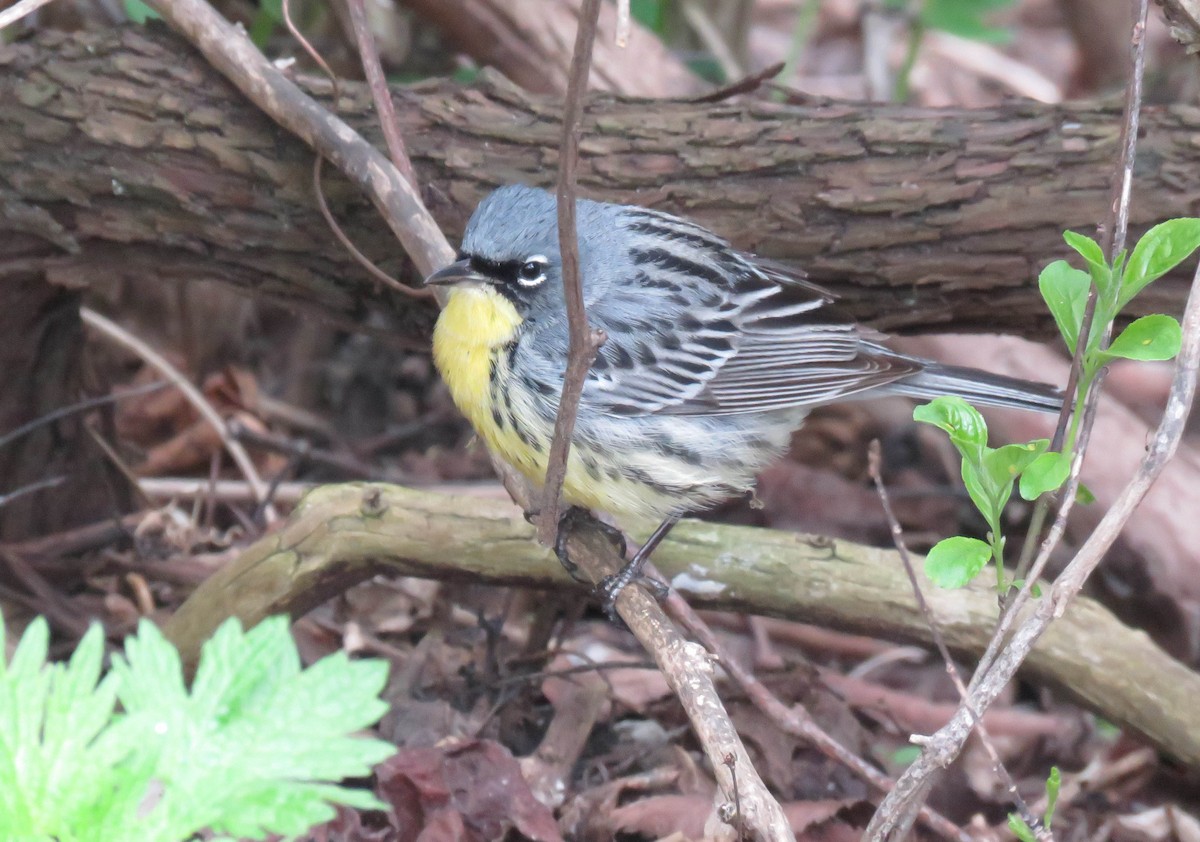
532,272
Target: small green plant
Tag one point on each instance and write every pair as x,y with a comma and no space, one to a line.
1018,825
990,474
255,748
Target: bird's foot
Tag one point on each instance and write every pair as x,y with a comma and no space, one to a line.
610,587
567,522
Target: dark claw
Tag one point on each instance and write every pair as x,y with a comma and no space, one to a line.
566,522
571,518
610,588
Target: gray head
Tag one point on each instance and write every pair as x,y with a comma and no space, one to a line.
511,244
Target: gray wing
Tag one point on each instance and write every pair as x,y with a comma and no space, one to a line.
706,330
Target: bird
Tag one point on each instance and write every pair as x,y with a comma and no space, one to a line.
712,359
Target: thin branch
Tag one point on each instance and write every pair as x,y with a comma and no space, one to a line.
1116,233
380,94
1113,236
81,406
794,720
584,343
241,458
1000,662
233,54
343,238
21,9
940,642
945,745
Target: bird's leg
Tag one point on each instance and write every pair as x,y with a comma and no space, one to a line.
571,518
611,586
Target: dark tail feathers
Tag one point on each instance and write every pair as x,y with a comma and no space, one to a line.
979,387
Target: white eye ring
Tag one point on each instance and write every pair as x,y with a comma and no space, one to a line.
536,263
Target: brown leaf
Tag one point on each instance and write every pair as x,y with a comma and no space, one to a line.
471,790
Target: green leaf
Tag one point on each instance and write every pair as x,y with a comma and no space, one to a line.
1003,465
1084,495
1052,786
257,747
1065,290
139,12
954,562
987,497
1046,473
961,421
964,18
1093,255
1156,337
1160,250
1020,829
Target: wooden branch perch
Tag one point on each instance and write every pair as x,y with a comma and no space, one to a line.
345,533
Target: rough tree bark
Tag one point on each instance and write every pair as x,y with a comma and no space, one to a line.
130,155
123,155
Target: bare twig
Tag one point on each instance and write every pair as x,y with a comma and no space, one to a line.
945,745
18,493
584,343
1114,236
360,258
241,458
380,94
794,720
81,406
939,641
21,9
229,50
1001,661
624,23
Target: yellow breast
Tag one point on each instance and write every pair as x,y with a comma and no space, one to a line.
470,344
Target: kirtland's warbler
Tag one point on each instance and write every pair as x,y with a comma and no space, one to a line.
713,357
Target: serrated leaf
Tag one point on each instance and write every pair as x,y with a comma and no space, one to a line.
1160,250
1156,337
1065,290
954,562
1046,473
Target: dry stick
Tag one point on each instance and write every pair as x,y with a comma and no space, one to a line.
399,157
228,49
20,10
794,720
1115,236
240,457
940,642
944,746
380,94
759,816
998,663
584,343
